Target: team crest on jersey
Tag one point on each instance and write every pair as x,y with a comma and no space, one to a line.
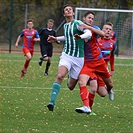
111,45
32,32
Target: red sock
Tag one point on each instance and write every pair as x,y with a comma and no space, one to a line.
91,99
26,64
84,95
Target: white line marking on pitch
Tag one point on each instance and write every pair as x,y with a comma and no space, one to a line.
41,88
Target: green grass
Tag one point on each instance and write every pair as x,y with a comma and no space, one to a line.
23,101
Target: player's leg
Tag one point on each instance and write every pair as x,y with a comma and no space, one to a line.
28,55
49,54
109,84
62,71
77,64
102,91
83,79
93,90
44,56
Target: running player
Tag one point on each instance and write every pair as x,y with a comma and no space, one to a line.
30,36
46,47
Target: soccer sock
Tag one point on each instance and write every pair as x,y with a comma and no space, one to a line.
47,67
55,91
91,99
26,64
84,95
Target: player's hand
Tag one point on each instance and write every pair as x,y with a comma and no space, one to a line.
16,45
111,73
35,39
51,39
77,37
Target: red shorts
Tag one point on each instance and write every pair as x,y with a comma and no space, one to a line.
94,68
26,50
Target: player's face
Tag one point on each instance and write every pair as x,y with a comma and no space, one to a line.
107,29
50,25
89,19
30,25
68,11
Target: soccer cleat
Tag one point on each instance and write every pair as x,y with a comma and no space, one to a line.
40,61
23,72
45,74
83,109
50,106
111,95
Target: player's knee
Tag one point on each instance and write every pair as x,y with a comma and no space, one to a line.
71,87
60,77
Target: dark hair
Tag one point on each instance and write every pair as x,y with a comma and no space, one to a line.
66,6
89,12
30,20
109,23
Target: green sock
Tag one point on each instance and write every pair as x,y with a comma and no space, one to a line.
55,91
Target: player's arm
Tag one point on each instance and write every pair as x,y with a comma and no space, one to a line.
112,64
55,39
96,30
18,40
86,33
112,59
58,42
37,37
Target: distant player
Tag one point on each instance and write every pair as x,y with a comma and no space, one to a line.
46,47
30,36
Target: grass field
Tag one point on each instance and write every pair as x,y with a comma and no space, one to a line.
23,101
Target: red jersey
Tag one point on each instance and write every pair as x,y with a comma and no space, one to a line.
113,36
107,47
92,51
29,36
94,62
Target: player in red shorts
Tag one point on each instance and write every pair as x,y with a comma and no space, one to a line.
93,64
30,36
107,46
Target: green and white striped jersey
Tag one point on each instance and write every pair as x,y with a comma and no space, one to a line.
73,47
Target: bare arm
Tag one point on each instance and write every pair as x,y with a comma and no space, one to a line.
97,31
18,40
55,39
37,39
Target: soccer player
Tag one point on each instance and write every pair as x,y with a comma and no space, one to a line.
93,64
30,36
107,46
46,47
72,57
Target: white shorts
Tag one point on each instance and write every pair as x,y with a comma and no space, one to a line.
73,64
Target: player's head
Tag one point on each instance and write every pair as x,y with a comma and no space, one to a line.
68,11
30,23
50,23
107,29
88,17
